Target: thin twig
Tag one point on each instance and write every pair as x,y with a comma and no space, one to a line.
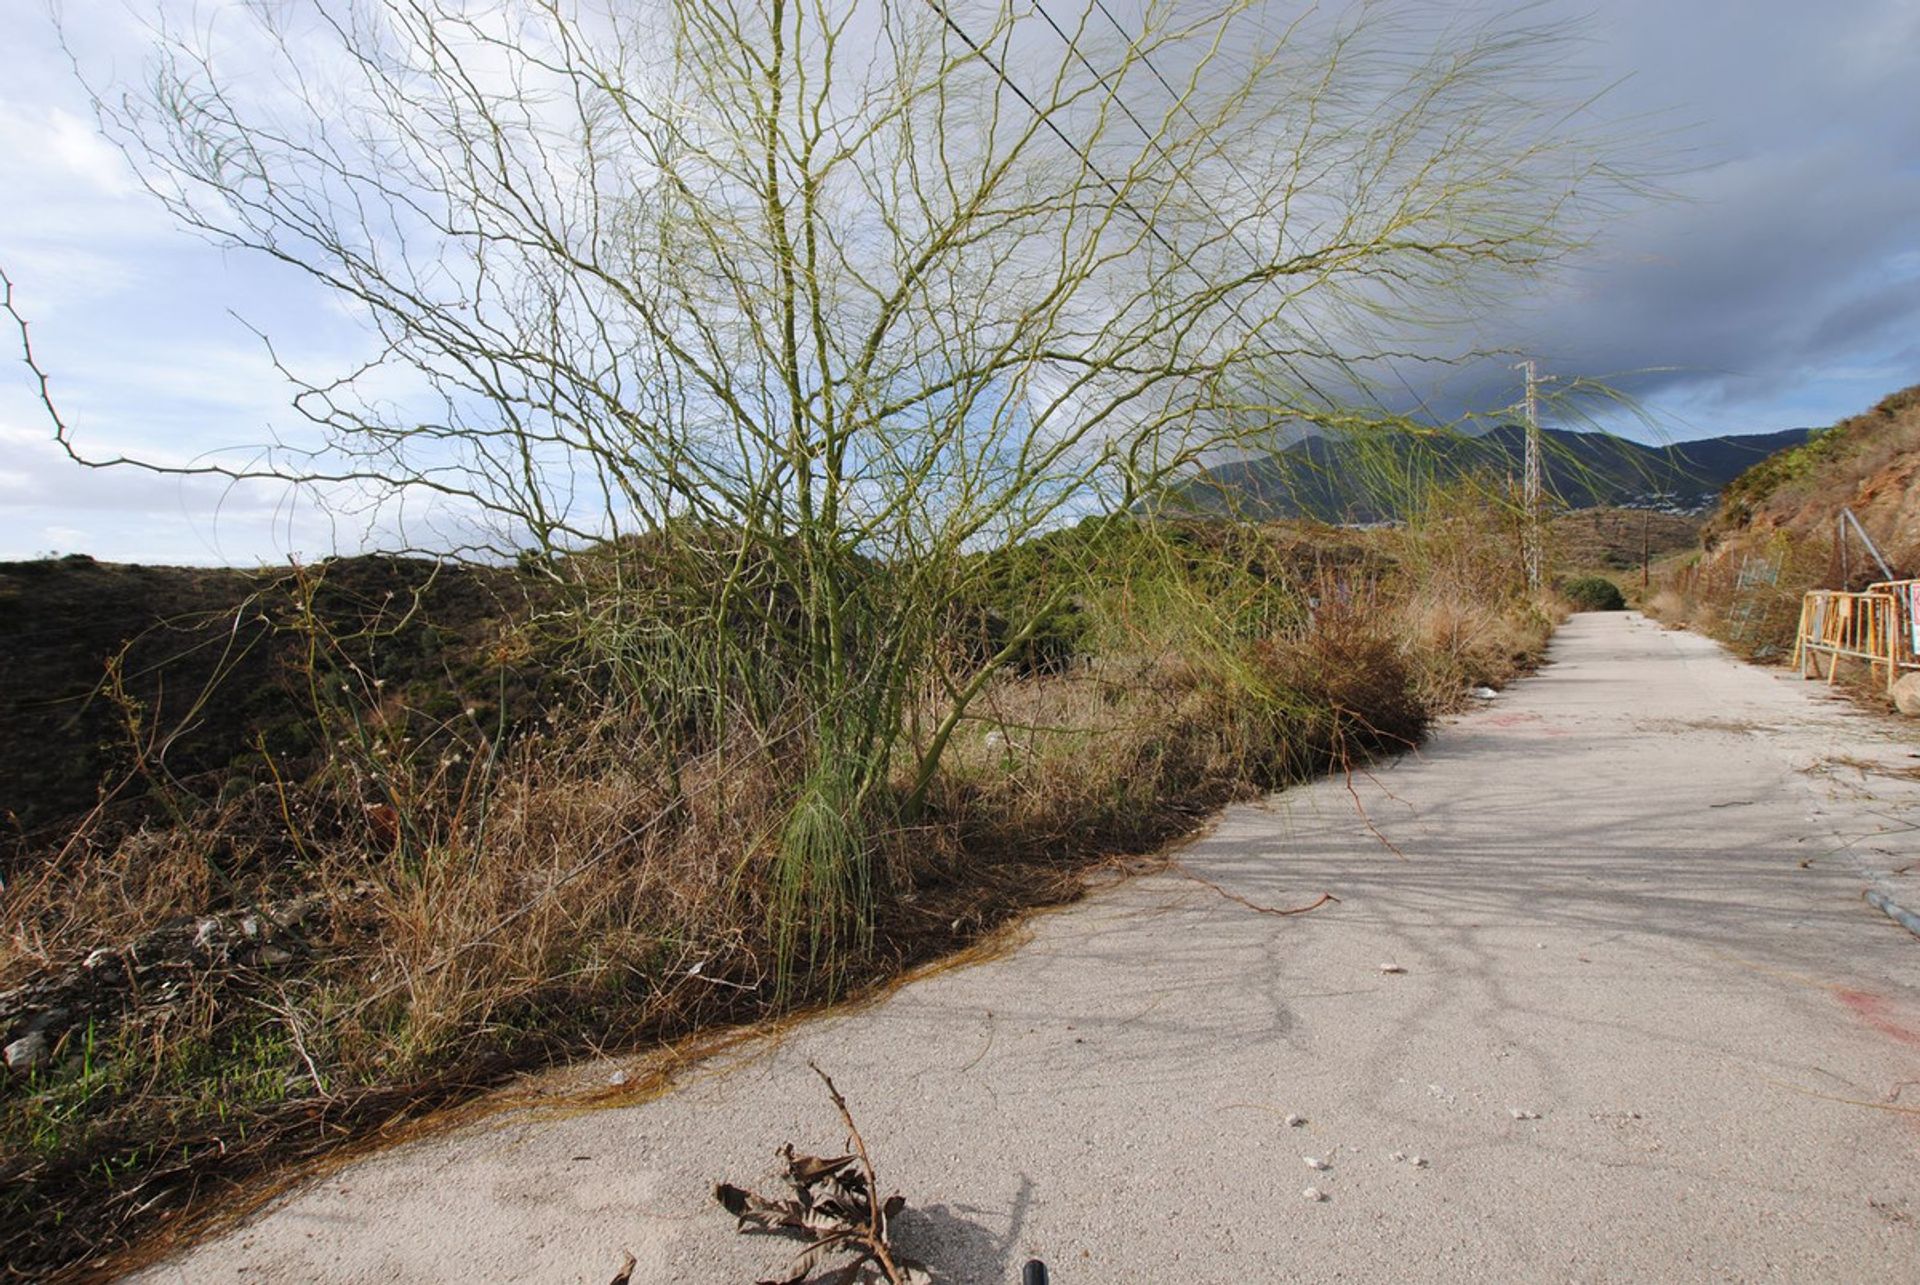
1318,902
876,1236
1359,805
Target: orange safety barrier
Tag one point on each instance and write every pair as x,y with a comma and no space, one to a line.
1877,627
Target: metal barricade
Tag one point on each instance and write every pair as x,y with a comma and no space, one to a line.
1877,627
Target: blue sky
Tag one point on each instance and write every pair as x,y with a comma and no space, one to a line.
1780,286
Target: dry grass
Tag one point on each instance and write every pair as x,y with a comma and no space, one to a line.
1611,540
507,906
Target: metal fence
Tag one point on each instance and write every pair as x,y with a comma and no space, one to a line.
1877,627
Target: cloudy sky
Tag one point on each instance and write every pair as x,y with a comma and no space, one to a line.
1777,286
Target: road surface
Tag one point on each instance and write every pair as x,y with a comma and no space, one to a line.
1626,900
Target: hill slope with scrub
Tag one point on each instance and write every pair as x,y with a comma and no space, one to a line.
1775,532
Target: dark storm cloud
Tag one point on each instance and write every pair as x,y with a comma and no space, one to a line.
1786,259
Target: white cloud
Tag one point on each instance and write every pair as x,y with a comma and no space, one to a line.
76,146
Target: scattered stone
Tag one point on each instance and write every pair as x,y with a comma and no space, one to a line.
1418,1162
189,956
1391,968
1315,1162
1314,1194
1295,1121
617,1079
1521,1113
27,1053
1906,695
1398,1157
1485,693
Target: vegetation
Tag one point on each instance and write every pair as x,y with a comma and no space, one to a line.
808,366
1842,454
798,311
1607,541
1776,533
1594,593
440,898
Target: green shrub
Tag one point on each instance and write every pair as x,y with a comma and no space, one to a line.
1595,593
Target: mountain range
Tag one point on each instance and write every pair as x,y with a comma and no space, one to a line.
1345,479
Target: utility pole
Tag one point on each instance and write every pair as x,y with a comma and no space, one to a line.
1646,547
1530,548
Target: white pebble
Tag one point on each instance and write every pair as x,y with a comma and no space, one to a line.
1314,1194
1398,1157
1315,1162
617,1079
1295,1121
1391,968
1521,1113
1418,1162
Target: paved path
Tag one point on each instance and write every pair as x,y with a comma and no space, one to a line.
1630,903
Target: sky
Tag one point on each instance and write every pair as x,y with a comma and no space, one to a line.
1775,284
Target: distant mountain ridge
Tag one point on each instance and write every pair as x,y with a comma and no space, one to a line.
1340,480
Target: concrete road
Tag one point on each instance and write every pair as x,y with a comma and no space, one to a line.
1647,1030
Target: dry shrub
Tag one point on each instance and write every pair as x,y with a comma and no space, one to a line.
1455,643
1667,605
1345,686
1748,591
477,908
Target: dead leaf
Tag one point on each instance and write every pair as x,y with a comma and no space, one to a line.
831,1207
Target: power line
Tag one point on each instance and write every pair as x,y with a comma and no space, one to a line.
1180,101
1046,119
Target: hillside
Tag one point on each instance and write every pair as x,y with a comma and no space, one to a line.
1867,463
187,675
1338,480
1608,539
1772,537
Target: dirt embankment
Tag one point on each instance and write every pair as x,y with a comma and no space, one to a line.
1612,540
119,676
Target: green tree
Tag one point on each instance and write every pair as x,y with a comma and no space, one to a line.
756,321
